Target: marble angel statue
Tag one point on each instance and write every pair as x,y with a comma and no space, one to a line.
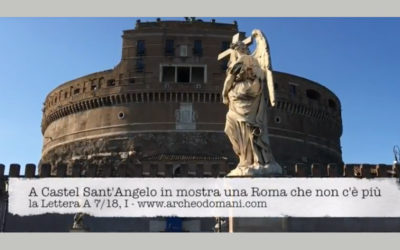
248,79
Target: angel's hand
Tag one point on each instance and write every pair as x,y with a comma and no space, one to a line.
255,33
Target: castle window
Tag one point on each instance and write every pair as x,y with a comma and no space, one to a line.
218,98
183,51
183,74
198,48
93,86
225,45
332,104
139,65
111,83
140,48
292,89
197,74
312,94
169,48
168,74
76,91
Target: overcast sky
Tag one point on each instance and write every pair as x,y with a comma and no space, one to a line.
357,58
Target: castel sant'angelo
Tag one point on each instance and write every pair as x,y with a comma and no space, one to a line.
159,112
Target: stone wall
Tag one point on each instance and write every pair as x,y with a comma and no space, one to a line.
131,103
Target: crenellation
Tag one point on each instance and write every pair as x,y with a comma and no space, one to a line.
45,170
61,170
207,170
146,170
333,170
91,171
2,169
301,170
357,171
317,170
348,170
368,170
106,171
161,170
215,169
192,170
384,170
30,170
122,170
199,170
138,170
168,170
15,170
76,169
153,170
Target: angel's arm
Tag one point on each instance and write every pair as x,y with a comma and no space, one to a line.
227,86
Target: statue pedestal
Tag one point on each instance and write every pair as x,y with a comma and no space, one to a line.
258,224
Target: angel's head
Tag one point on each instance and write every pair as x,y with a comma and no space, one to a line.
240,47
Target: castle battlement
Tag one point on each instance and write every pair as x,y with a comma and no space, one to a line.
153,168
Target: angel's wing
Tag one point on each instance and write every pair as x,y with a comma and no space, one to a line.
261,54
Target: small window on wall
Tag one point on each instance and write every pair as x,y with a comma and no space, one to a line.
76,91
197,74
292,89
312,94
93,86
197,48
139,65
140,48
225,45
169,48
183,74
168,74
183,51
111,83
332,104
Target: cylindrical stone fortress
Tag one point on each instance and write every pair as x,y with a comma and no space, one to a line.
161,106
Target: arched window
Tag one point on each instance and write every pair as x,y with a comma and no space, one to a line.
332,104
312,94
